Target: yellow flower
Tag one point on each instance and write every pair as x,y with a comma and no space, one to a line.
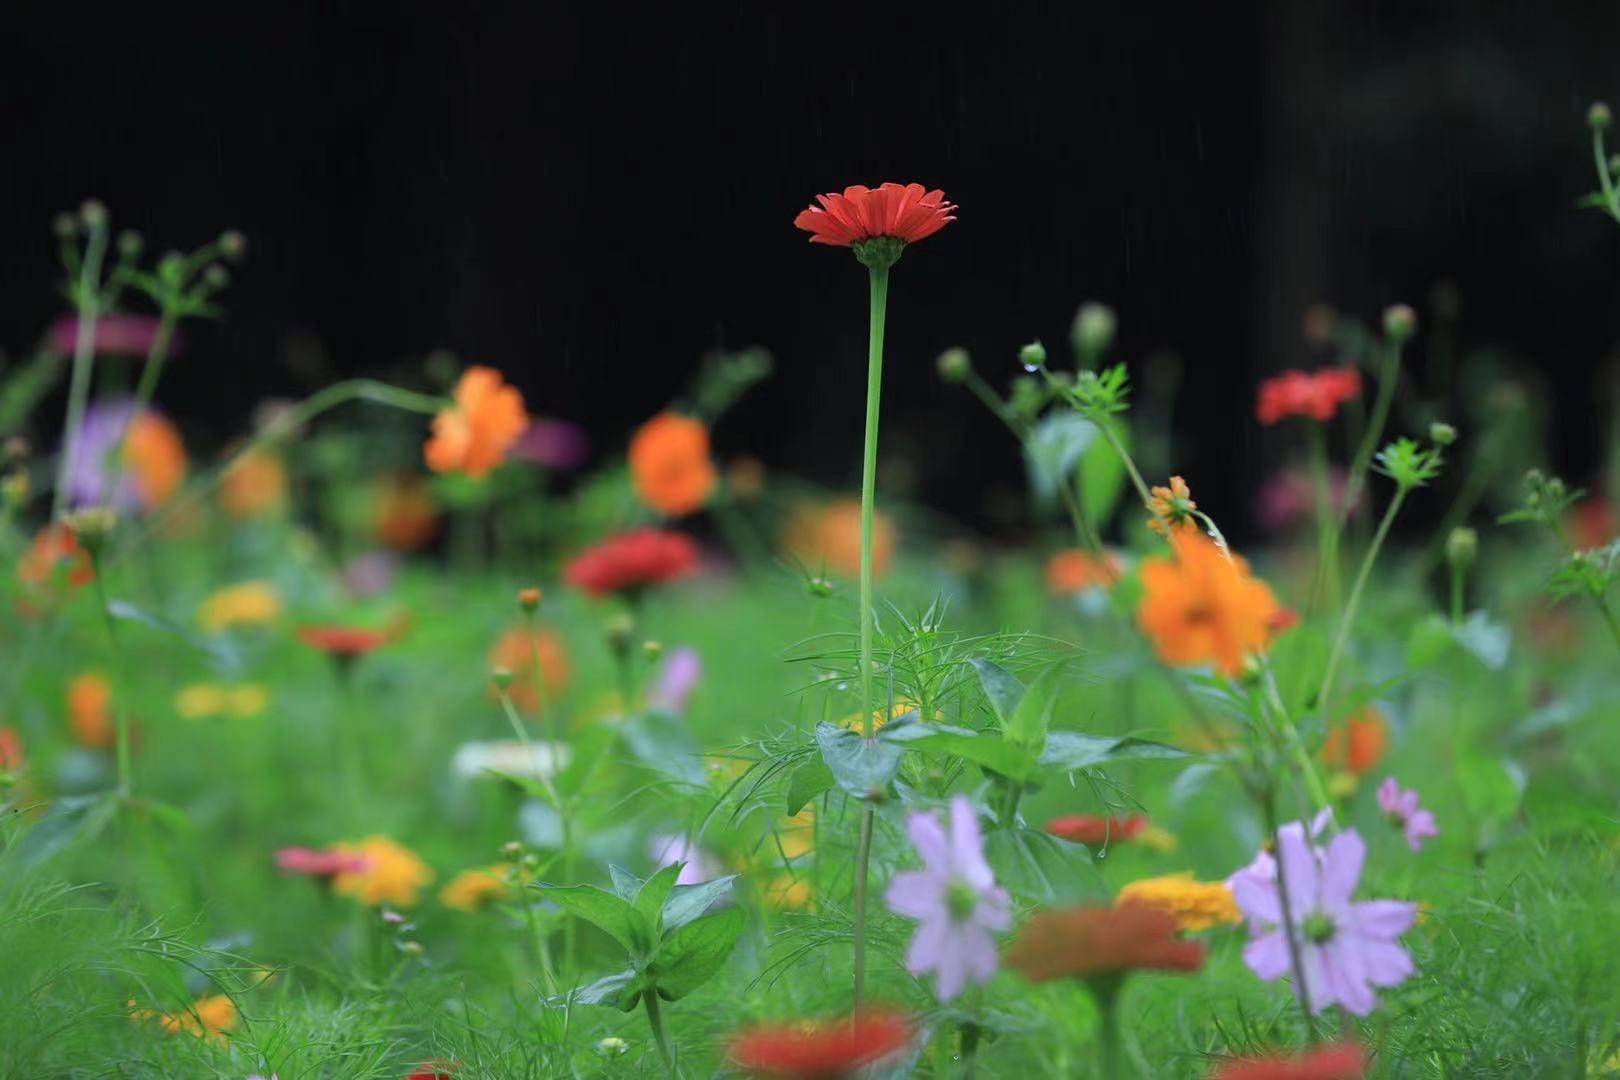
1197,905
883,716
393,874
247,603
1157,840
211,1016
797,834
246,701
200,701
472,889
784,892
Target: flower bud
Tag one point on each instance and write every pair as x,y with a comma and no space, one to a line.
1032,356
954,365
93,213
391,917
612,1046
130,243
652,649
1461,547
1442,434
14,488
621,629
64,225
529,600
172,266
511,849
1598,116
216,276
1094,326
1399,322
501,677
92,527
232,244
819,587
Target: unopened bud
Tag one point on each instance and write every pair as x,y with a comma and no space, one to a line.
1399,322
130,243
391,917
529,599
621,631
501,677
232,244
819,587
216,276
93,213
1032,356
171,266
1598,116
1094,326
1461,547
612,1046
511,849
653,649
954,365
1442,434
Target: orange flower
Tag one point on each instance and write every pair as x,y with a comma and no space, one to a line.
669,463
403,514
1084,942
1075,571
1340,1061
11,751
210,1016
1202,607
89,708
55,550
830,536
256,487
155,458
516,650
810,1050
472,436
1358,744
347,642
1173,508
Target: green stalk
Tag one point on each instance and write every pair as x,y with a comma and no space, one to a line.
124,756
1388,377
1348,619
1295,960
1327,528
655,1019
84,352
156,355
874,390
1611,201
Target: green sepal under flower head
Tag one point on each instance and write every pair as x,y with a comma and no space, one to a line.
1545,500
1591,573
1101,394
1409,464
880,252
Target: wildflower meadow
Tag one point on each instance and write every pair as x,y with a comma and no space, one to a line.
412,731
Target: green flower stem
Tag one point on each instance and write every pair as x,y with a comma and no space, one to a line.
1105,991
1458,576
1611,199
1310,780
1348,618
879,278
123,755
542,947
84,353
1327,526
1137,482
655,1020
1388,377
1598,601
1295,961
156,355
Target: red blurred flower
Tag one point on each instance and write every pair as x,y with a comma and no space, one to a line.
905,212
820,1051
1095,831
1316,395
11,750
433,1069
1342,1061
632,561
55,549
344,642
1086,942
110,335
315,862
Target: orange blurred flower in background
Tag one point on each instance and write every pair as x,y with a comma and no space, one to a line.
1202,607
210,1016
11,750
1084,942
155,458
1358,743
404,515
55,550
828,536
472,435
1173,508
255,487
670,466
89,709
515,651
1075,571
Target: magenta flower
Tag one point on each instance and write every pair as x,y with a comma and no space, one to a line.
954,899
112,335
1346,948
678,676
553,444
1402,809
317,863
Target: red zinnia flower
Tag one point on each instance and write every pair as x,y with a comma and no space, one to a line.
317,863
1316,395
904,212
1084,942
632,561
344,642
820,1051
433,1069
11,750
1095,831
1343,1061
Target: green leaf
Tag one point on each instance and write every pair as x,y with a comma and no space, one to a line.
608,913
625,884
662,743
806,782
621,990
692,955
66,822
1002,688
1102,477
1491,789
1072,750
649,901
590,751
218,650
1041,868
1034,712
688,902
1428,641
1052,450
989,751
861,767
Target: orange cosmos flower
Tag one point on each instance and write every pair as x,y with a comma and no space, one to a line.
256,487
1173,508
1341,1061
830,536
1357,744
403,514
55,550
89,709
1095,831
1074,571
210,1016
1084,942
907,213
515,651
820,1050
1202,607
670,466
155,458
472,436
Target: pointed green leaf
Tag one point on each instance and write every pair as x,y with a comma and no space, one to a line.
692,955
600,908
990,751
1041,868
806,782
1001,687
1101,477
861,767
621,990
1073,750
1034,712
649,901
688,902
625,884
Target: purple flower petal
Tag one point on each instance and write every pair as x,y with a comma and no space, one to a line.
917,894
1267,956
1341,870
1298,869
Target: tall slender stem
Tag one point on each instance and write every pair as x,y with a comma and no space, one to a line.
1348,618
1327,528
124,756
156,354
84,352
655,1019
1296,963
1388,377
874,392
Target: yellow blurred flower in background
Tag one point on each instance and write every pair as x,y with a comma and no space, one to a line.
210,1016
393,874
1197,905
246,603
472,889
202,701
255,487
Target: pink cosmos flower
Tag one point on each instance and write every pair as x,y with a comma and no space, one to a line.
1403,811
113,335
314,862
678,676
954,899
1346,947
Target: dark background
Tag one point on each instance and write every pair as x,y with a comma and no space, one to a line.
592,201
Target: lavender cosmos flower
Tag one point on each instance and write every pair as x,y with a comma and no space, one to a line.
667,848
1403,810
89,476
1346,948
954,899
678,676
554,444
